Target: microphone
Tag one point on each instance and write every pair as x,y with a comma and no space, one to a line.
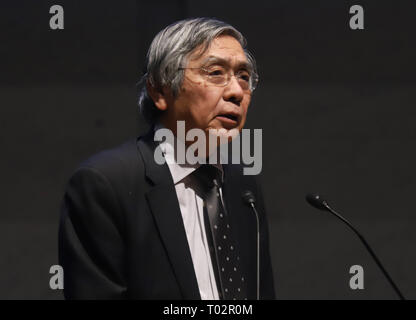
315,200
250,200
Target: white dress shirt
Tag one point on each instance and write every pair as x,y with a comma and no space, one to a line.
191,206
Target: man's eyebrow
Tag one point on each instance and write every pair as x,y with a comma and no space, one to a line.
222,61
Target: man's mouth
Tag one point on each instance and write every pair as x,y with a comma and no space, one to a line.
228,119
230,116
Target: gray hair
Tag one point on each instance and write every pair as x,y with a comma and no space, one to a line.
169,52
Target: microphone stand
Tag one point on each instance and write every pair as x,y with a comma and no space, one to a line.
258,249
321,204
372,253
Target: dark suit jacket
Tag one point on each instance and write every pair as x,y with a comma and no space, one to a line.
121,232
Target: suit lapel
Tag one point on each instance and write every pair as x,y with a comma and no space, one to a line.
165,208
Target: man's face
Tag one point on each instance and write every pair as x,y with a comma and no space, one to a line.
204,105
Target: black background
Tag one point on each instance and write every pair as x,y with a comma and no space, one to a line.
336,107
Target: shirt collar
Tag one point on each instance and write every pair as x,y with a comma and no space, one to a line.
178,171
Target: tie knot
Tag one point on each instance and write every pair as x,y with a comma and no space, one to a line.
208,175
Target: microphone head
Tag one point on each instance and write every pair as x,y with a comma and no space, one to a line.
248,197
315,200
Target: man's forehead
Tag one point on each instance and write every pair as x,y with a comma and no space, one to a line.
224,60
225,48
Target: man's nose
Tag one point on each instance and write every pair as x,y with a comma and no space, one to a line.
233,91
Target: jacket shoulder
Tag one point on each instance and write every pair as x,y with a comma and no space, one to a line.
236,171
115,162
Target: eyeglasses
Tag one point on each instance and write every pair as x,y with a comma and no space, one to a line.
221,76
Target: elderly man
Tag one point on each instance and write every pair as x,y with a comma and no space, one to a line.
135,229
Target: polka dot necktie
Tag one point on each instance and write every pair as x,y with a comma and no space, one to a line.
225,258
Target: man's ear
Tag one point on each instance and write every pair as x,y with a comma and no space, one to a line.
159,97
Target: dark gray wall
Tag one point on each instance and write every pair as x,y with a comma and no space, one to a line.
336,107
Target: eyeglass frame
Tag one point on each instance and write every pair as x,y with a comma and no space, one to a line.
253,77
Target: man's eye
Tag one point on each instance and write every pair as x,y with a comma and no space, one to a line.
244,76
216,72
